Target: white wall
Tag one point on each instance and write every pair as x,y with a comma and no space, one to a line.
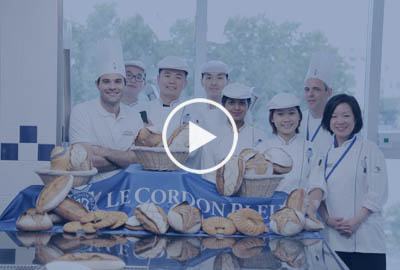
28,87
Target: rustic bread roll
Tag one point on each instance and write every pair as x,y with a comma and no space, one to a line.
185,218
218,225
247,248
71,210
184,249
54,193
152,218
229,177
287,222
148,138
150,247
180,137
258,165
248,222
313,224
297,200
94,260
79,158
32,220
281,161
60,158
56,219
133,224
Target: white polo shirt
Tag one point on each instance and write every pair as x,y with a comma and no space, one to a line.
91,123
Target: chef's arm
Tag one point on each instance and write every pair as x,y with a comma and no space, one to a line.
98,160
120,159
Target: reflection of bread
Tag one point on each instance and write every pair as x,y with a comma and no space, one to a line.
94,260
180,137
287,222
184,249
151,247
229,177
185,218
282,162
29,239
32,220
218,243
60,158
247,248
152,218
288,250
148,138
226,261
49,253
79,158
71,210
54,193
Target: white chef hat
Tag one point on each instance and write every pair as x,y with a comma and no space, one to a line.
237,90
136,63
109,58
173,62
215,66
283,101
322,66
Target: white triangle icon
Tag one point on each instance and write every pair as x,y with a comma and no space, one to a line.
198,137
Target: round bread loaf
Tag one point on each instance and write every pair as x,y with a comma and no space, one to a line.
185,218
79,158
148,138
281,161
248,222
60,158
287,222
180,137
152,218
297,200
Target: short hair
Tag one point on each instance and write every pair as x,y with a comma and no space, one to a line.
225,99
335,101
161,69
226,75
274,129
98,80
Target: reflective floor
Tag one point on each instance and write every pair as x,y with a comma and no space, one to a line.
24,250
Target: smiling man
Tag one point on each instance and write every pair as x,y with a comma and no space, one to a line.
104,126
135,82
317,91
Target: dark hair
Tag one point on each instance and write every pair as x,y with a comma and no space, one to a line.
225,99
161,69
335,101
226,75
98,80
274,129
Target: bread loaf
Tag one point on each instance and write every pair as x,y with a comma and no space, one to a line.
148,138
180,137
71,210
79,158
152,218
287,222
60,158
282,162
185,218
54,193
32,220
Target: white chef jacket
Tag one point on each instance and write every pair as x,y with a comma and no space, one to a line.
157,114
360,180
214,118
215,151
297,148
320,140
91,123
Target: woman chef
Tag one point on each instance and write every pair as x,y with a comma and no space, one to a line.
351,180
236,99
285,118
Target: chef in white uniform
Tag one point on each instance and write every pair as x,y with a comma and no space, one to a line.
317,90
236,99
104,126
351,179
214,78
171,79
285,118
135,82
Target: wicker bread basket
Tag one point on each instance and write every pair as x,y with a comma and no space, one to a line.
80,177
259,185
156,159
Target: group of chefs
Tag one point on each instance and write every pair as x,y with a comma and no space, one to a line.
343,173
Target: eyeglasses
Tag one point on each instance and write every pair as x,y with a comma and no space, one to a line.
137,78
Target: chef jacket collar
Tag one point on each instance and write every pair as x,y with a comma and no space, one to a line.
345,143
228,123
283,141
172,105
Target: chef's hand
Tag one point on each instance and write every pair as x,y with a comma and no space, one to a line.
349,226
334,222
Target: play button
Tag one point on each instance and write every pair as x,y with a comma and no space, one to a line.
198,137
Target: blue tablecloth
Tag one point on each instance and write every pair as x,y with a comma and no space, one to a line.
125,190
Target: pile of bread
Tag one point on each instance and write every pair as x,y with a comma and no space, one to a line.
74,158
250,162
148,138
292,219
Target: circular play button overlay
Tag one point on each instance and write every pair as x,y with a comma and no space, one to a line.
198,136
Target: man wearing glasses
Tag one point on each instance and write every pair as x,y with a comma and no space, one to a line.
135,82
